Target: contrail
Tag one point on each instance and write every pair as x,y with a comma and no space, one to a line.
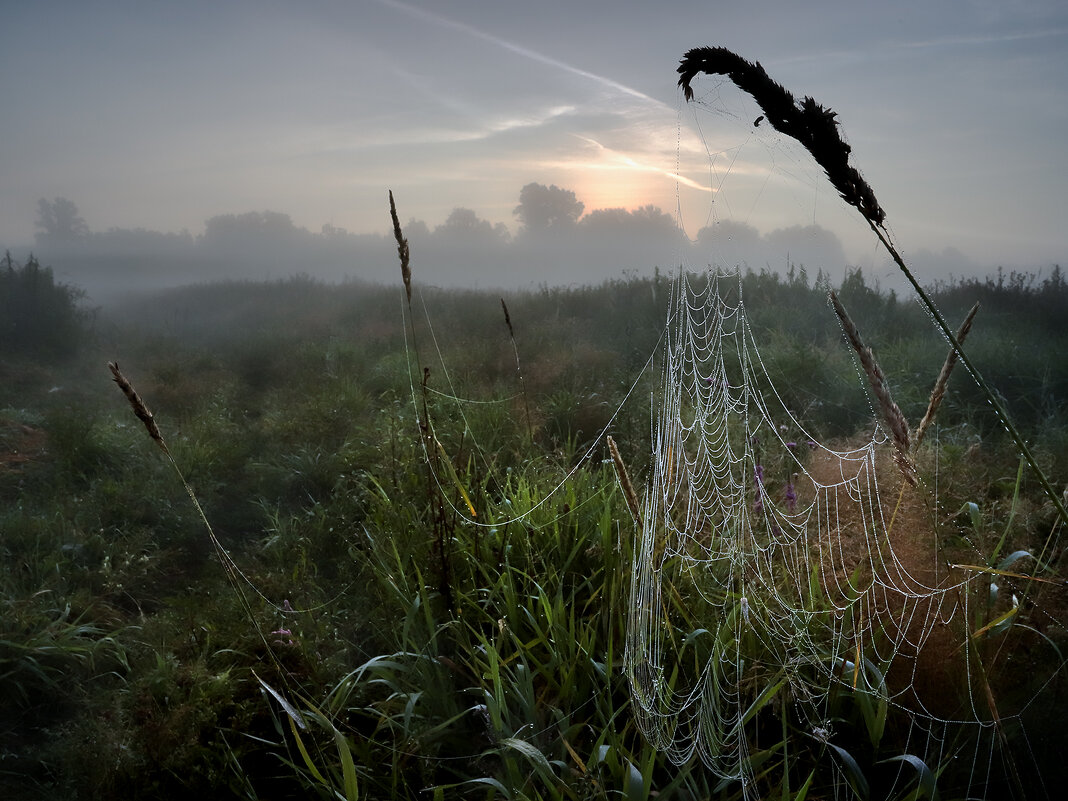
526,52
950,41
634,164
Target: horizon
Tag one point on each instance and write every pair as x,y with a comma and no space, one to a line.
155,120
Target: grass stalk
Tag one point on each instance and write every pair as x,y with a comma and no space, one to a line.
140,408
403,252
518,369
899,427
999,408
816,128
939,391
629,494
230,568
442,527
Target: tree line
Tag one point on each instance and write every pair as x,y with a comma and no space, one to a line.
557,241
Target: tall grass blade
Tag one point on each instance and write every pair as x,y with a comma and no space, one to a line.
289,709
925,776
854,775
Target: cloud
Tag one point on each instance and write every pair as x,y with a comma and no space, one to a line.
980,39
610,159
526,52
160,119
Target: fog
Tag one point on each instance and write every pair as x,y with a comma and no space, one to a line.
556,242
163,117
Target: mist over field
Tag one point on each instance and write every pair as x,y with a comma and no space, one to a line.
556,241
627,456
424,585
237,140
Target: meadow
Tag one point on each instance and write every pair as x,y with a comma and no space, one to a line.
337,630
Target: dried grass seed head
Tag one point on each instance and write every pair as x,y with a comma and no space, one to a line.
811,124
895,420
402,248
140,408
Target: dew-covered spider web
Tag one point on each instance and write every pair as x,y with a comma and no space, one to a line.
791,598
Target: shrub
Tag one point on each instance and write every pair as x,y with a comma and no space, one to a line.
39,317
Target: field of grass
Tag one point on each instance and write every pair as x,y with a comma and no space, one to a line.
347,634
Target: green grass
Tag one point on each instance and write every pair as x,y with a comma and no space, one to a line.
130,668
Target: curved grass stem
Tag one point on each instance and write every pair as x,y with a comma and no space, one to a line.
991,396
816,128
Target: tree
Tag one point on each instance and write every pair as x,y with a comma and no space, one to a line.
464,225
38,317
542,208
647,221
652,220
59,220
253,226
607,221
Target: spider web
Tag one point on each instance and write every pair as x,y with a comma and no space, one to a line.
775,575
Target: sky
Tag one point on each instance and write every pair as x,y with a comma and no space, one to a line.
162,115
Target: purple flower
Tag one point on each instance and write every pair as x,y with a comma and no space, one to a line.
791,445
284,633
791,497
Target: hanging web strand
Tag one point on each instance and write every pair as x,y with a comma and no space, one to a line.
816,128
774,574
770,566
784,545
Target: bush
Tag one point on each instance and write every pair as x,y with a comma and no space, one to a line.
39,318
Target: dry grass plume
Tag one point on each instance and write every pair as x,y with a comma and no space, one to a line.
402,248
939,390
140,408
895,420
811,124
624,481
